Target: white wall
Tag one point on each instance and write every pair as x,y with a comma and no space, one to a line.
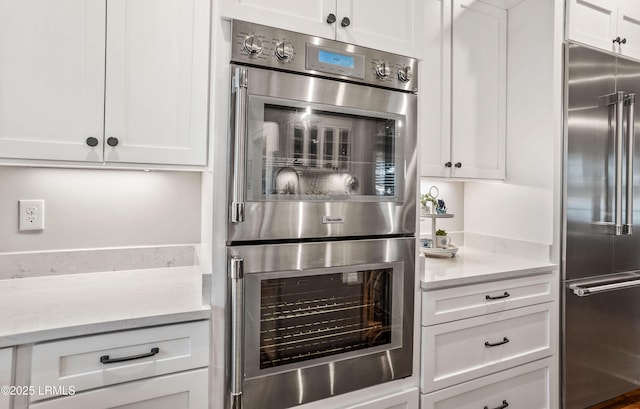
100,208
522,207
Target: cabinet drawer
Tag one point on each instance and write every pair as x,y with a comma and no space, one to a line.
527,386
457,303
183,390
6,375
459,351
156,351
403,400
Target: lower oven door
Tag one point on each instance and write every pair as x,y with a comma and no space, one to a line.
320,319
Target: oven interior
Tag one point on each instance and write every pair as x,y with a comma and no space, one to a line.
308,317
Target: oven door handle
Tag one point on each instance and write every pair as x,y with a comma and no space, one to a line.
239,146
236,367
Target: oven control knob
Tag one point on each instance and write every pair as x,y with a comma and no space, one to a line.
382,70
252,45
284,51
404,74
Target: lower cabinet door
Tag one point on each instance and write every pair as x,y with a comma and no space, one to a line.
6,370
526,386
186,390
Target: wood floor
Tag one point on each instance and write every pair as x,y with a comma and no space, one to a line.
630,400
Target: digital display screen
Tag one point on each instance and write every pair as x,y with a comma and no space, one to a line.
336,59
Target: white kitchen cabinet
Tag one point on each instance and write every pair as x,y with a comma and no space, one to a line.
396,27
6,375
480,340
51,79
408,399
527,386
162,367
145,102
611,25
156,81
460,351
83,363
457,303
463,125
185,390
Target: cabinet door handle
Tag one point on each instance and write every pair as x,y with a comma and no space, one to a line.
106,360
111,141
345,22
92,141
458,165
489,344
620,40
498,297
331,18
448,165
504,405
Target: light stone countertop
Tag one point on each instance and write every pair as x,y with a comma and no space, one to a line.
48,307
471,265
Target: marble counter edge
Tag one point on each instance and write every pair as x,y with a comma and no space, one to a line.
94,328
485,278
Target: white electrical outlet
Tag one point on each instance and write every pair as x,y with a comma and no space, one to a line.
31,214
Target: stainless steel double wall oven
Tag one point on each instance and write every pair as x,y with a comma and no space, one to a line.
322,217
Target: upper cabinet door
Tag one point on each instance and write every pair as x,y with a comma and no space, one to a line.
478,90
52,79
593,22
434,93
308,17
629,27
396,26
156,81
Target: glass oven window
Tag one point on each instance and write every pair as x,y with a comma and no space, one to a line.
299,152
309,317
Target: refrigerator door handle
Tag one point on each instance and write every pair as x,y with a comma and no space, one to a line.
239,141
630,102
604,286
618,162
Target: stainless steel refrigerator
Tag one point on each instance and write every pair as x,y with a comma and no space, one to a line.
601,274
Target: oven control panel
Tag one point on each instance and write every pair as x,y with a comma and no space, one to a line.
269,47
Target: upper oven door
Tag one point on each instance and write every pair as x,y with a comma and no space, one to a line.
316,158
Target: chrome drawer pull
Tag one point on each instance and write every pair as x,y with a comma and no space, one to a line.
505,404
498,297
106,360
489,344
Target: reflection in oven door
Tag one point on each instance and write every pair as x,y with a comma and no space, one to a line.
320,319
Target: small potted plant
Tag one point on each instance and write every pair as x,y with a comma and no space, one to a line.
442,239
